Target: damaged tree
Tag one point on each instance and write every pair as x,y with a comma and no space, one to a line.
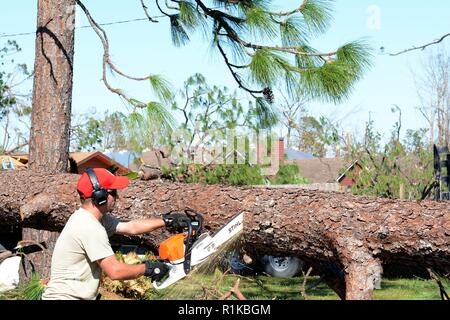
341,236
255,67
344,237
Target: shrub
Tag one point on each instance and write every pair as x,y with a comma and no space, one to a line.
235,175
289,174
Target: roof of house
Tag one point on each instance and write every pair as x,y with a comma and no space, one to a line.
82,157
349,168
320,170
16,162
292,154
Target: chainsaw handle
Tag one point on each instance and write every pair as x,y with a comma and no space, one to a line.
176,272
195,216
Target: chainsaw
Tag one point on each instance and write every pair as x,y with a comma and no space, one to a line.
192,247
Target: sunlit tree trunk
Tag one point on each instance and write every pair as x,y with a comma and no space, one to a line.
52,90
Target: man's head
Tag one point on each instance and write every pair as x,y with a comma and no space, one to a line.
100,186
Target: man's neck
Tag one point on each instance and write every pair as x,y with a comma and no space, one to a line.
93,210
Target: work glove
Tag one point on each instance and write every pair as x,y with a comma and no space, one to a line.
176,221
156,270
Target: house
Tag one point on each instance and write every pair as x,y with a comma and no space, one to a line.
320,170
96,159
10,163
79,161
323,170
347,178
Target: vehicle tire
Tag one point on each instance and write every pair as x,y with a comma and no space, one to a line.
281,267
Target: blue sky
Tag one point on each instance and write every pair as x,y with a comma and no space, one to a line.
141,48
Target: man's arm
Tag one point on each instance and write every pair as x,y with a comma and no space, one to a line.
117,270
136,227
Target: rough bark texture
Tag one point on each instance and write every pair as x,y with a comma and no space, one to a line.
347,238
52,90
41,260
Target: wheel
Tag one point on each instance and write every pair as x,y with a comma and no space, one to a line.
281,267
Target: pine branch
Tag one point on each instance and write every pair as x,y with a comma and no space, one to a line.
146,12
235,75
220,16
171,7
289,13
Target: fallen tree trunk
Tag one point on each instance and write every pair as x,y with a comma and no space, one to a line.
347,238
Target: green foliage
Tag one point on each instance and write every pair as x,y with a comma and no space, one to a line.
179,35
207,112
272,288
289,174
318,15
32,290
136,288
293,31
235,175
260,24
270,48
162,88
190,17
267,67
133,176
334,80
6,101
387,167
14,106
264,115
356,55
310,140
89,135
7,98
148,125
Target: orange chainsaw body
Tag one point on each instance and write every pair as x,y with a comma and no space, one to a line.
173,248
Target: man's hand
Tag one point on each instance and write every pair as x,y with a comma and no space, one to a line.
156,270
175,221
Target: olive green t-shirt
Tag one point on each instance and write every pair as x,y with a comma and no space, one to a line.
75,274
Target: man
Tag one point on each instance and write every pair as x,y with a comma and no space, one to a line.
83,251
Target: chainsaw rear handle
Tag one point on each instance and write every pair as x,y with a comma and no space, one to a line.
194,221
156,270
176,273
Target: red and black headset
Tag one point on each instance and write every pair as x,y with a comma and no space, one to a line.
99,194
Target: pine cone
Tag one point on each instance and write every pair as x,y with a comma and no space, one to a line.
268,95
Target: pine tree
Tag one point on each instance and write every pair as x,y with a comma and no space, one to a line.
262,49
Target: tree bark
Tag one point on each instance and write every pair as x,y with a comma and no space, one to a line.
52,89
344,237
41,260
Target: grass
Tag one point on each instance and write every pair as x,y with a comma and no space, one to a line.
268,288
409,289
201,287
